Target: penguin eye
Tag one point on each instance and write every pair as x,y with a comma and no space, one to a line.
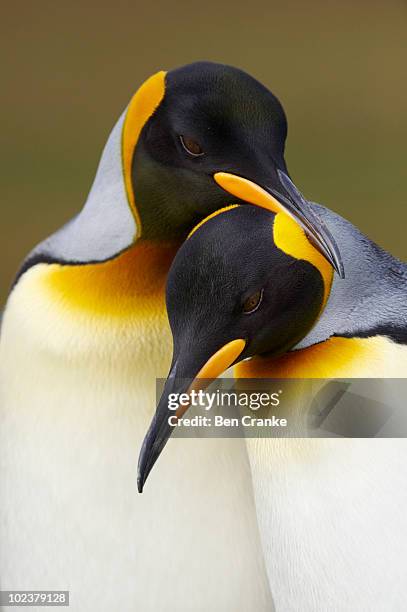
252,303
191,146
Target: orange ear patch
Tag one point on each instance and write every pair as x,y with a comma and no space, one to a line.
143,104
290,238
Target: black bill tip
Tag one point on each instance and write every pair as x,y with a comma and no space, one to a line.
156,438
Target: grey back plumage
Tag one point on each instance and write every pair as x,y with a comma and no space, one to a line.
372,299
105,226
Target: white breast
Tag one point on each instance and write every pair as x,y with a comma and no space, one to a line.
332,516
76,400
333,523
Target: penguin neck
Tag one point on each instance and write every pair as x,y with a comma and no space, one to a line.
362,331
371,299
132,284
93,282
108,312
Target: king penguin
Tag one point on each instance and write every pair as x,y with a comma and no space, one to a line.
249,289
84,337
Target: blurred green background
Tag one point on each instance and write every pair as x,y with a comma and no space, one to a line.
339,69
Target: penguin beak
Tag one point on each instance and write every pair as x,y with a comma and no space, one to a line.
166,419
286,199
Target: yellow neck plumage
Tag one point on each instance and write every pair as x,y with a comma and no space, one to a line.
132,284
374,357
109,317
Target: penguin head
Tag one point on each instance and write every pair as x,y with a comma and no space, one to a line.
190,142
215,133
246,282
231,281
212,118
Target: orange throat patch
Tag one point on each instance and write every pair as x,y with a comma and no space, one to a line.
133,283
372,357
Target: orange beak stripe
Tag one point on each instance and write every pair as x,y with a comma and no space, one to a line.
214,367
247,190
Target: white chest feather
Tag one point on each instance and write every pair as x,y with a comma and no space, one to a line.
332,511
332,521
77,395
